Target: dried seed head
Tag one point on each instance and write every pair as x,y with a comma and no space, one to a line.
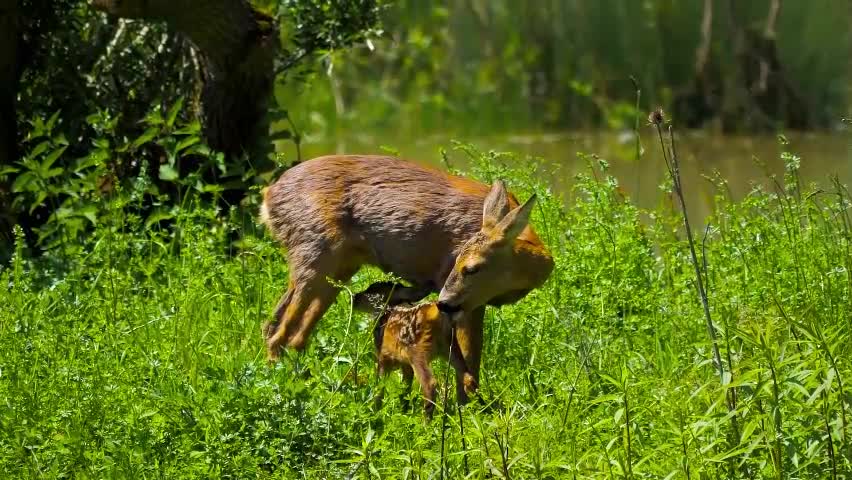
657,117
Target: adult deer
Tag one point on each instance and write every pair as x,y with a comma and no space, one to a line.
336,213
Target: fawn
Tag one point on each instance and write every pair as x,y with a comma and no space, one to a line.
409,337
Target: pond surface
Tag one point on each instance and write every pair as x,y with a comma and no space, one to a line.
742,160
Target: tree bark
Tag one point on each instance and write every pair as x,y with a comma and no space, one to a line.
702,53
769,35
9,70
237,47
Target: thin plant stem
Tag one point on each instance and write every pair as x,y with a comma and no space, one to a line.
464,444
444,408
673,166
628,442
674,172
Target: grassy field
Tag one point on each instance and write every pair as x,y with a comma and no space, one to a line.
138,354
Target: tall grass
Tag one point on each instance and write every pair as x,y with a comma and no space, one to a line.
139,354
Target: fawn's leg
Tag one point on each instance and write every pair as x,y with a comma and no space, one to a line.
407,379
428,384
382,370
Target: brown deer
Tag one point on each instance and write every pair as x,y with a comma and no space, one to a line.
336,213
409,337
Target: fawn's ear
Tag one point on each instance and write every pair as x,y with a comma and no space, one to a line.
496,205
515,221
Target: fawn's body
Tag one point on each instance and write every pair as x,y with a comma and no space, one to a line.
409,337
337,213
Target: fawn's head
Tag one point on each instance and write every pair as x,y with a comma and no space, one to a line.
495,264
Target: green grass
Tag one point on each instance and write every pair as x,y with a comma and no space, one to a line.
138,353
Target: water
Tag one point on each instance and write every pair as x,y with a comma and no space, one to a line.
744,161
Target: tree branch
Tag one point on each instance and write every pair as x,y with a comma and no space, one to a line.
772,18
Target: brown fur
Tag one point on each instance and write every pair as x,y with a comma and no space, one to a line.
409,337
337,213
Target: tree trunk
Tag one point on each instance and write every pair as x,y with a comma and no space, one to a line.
702,53
237,46
769,36
698,102
8,81
8,129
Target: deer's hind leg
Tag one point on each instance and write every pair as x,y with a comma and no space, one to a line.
308,297
466,383
270,327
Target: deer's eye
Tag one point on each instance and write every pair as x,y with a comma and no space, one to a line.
470,269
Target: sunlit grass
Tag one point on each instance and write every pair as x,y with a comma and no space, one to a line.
124,359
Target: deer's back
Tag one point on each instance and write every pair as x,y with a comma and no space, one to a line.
403,217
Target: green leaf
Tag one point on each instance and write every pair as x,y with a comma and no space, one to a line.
37,130
40,196
8,169
168,173
154,117
611,380
90,213
616,419
156,217
747,431
52,121
173,112
39,149
191,128
48,161
101,143
187,142
198,149
51,173
146,137
93,159
93,118
24,182
209,187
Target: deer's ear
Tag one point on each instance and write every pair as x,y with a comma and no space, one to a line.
496,205
514,222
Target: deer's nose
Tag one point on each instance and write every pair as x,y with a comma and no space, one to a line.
447,308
